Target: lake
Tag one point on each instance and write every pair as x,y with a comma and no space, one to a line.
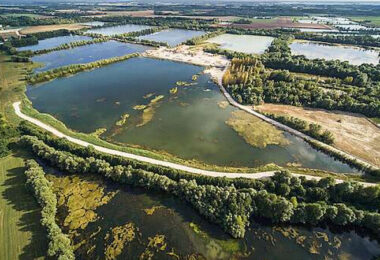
170,107
142,218
85,54
173,37
251,44
353,55
119,29
54,42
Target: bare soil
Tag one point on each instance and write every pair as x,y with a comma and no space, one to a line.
353,133
54,27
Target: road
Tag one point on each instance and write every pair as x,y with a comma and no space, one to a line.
176,166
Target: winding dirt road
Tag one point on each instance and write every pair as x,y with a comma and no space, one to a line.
176,166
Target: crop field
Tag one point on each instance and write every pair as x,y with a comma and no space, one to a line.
46,28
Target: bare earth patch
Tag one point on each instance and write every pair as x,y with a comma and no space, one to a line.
54,27
255,131
353,133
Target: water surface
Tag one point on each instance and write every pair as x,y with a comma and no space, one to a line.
174,220
119,29
85,54
353,55
54,42
190,123
172,37
252,44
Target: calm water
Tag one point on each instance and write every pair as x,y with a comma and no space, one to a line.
243,43
94,23
173,219
87,53
54,42
120,29
189,124
172,36
353,55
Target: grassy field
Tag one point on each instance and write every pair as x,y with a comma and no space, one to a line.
12,84
21,235
372,20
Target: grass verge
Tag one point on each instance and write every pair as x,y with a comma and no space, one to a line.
21,234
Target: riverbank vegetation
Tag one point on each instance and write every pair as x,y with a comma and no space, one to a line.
73,69
59,243
285,200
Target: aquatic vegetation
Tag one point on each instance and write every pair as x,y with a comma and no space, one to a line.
218,245
139,107
148,95
255,131
120,236
223,104
98,132
155,244
173,90
194,77
80,197
150,110
123,120
185,84
151,210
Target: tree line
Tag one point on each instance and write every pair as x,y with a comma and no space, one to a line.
59,243
7,133
75,68
27,128
227,206
311,129
32,39
204,37
70,45
359,40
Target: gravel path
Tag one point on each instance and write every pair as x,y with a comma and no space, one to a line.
176,166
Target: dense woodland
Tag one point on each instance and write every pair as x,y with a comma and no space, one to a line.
251,82
285,200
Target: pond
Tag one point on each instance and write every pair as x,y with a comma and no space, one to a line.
173,37
164,227
119,29
173,108
85,54
251,44
54,42
353,55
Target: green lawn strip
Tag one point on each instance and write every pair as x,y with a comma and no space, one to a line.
21,234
